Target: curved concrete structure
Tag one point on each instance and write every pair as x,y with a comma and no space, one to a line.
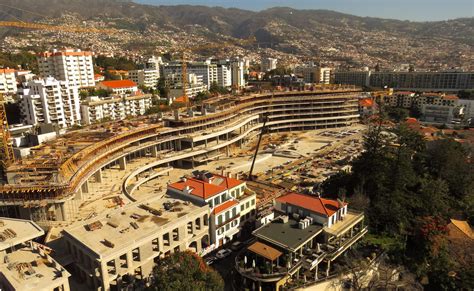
186,138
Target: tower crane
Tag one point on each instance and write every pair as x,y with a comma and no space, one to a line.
6,150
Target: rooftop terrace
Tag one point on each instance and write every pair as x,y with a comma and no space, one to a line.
109,233
30,268
287,235
17,231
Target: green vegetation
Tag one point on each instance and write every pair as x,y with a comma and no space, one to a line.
26,60
120,63
409,189
94,92
185,271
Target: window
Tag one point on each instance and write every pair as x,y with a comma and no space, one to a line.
227,226
219,219
227,215
247,205
217,200
242,207
234,211
253,202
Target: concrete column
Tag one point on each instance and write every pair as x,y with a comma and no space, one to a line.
192,145
154,152
327,270
129,260
105,276
123,163
63,212
205,141
227,151
79,194
98,176
217,139
85,187
316,272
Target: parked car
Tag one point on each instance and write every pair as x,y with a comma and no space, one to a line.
210,260
223,253
236,245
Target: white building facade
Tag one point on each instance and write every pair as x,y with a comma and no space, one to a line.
50,101
96,109
74,66
7,81
238,75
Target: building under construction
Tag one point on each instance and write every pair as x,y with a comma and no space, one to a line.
50,185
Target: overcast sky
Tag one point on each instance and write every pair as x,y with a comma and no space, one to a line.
418,10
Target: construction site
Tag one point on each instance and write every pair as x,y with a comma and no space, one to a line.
107,165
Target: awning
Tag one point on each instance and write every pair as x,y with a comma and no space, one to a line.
265,251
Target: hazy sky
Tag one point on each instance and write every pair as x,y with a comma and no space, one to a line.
420,10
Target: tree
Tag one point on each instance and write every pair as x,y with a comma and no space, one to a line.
185,271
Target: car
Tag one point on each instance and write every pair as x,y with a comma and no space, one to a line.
210,260
236,245
223,253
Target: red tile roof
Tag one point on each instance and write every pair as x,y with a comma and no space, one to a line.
322,206
199,188
7,71
116,84
226,205
451,97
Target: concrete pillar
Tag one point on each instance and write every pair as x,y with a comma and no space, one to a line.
85,187
154,152
205,141
227,151
192,145
217,139
63,212
129,260
123,163
316,272
327,270
98,176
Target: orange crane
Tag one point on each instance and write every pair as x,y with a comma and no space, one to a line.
6,150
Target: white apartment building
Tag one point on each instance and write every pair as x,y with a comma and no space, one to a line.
74,66
314,74
191,91
268,64
7,81
146,77
107,250
238,75
224,75
119,87
96,109
207,70
50,101
232,203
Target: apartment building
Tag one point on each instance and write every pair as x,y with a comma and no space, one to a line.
145,77
109,251
50,101
403,99
307,234
232,204
224,75
96,109
73,66
238,75
438,108
357,78
206,70
24,264
7,81
314,74
268,64
410,81
119,87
